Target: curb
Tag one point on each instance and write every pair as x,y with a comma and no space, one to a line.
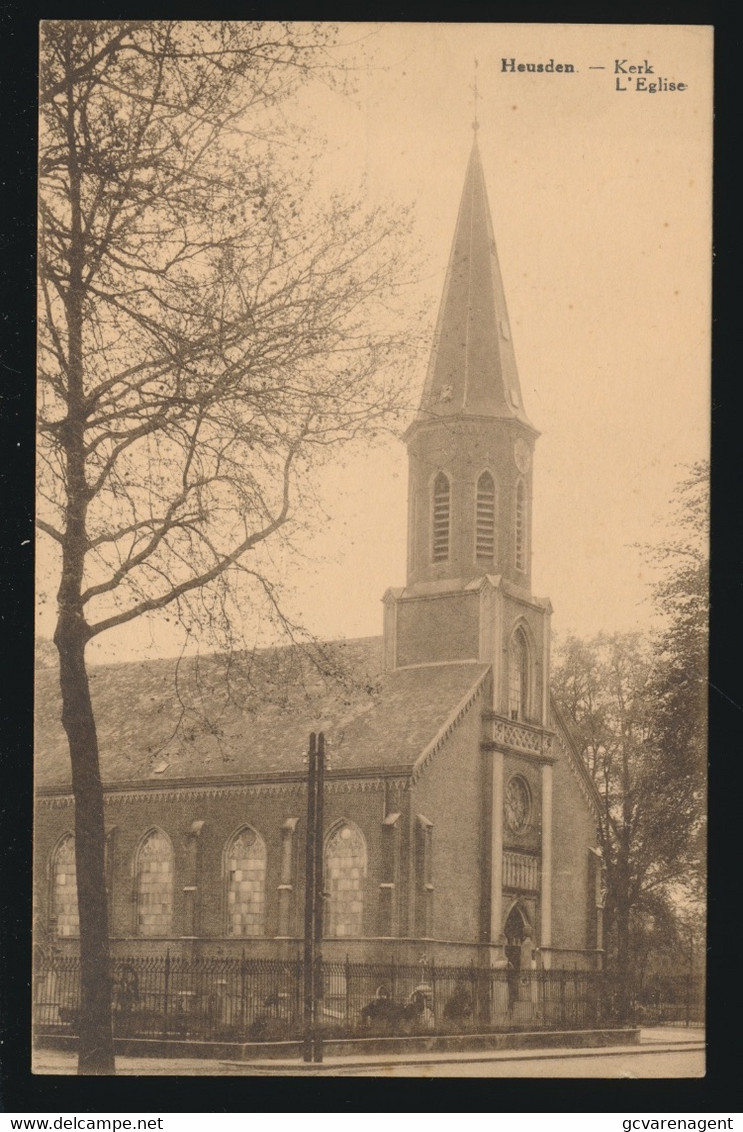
265,1068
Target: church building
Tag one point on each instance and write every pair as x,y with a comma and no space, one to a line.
460,822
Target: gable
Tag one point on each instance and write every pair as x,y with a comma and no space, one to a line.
570,753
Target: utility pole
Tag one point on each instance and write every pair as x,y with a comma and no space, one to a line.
313,899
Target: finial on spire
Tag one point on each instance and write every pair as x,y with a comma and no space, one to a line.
476,96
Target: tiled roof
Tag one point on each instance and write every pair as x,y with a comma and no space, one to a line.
212,718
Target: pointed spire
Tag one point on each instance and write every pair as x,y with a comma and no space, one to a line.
472,370
475,97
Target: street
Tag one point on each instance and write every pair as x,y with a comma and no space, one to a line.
662,1053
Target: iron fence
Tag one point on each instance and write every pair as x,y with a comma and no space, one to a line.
243,1000
668,1000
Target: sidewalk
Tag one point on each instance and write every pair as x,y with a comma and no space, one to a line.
652,1041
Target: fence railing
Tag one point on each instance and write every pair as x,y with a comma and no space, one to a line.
667,1000
232,999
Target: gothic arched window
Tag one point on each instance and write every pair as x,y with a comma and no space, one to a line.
245,870
518,676
64,888
485,517
345,870
154,884
520,526
441,517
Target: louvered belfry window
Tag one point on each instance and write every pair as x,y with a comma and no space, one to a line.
441,517
485,519
520,526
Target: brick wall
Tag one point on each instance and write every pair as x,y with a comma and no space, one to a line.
438,629
200,828
574,832
449,793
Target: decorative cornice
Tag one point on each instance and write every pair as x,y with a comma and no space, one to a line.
55,801
199,793
179,794
465,422
363,785
453,721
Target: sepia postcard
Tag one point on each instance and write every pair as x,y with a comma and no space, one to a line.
372,566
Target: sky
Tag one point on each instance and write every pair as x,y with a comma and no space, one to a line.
600,195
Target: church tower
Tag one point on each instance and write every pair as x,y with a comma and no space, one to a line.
470,452
471,444
468,594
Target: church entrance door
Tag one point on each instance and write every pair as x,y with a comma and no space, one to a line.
514,933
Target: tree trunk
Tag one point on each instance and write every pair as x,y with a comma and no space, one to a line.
96,1049
623,957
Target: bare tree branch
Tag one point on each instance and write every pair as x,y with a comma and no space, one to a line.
210,327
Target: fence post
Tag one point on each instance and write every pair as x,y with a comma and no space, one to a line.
347,980
310,897
563,973
166,984
243,993
298,993
317,1052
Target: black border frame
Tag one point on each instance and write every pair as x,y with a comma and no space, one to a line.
22,1092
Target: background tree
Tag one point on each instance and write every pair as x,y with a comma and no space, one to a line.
680,686
211,327
637,706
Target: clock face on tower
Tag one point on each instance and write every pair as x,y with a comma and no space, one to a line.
518,805
522,455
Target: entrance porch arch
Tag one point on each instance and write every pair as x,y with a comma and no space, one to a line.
517,929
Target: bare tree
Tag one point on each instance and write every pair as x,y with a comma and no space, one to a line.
204,342
650,812
638,709
681,598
